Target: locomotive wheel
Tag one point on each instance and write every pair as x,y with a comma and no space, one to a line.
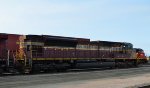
1,71
26,71
135,63
116,63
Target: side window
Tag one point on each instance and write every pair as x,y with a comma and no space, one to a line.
93,47
82,46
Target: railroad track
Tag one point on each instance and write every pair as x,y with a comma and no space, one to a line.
70,76
89,69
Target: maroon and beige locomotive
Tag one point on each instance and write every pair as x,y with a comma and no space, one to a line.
26,53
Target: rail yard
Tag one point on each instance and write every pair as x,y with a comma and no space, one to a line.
68,61
74,44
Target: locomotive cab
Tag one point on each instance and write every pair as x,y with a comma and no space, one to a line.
140,55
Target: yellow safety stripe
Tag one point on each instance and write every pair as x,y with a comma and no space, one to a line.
50,59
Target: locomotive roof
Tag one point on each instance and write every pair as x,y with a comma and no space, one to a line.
64,38
51,37
138,49
59,38
5,35
73,39
111,43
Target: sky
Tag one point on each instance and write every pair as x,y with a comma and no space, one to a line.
109,20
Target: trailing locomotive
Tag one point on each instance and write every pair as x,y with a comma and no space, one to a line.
26,53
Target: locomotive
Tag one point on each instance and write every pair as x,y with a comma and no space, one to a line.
27,53
140,55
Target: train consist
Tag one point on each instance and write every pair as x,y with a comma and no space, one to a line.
27,53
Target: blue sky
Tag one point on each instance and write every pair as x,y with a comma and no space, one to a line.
111,20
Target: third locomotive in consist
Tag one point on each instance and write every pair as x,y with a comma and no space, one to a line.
27,53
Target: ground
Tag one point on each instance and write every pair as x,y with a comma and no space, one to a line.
110,78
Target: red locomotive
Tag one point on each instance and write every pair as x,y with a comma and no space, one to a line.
140,55
26,53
